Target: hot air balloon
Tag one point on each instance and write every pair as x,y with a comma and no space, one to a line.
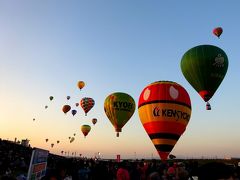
72,139
51,98
85,129
217,31
68,97
205,67
46,107
46,140
58,142
77,104
74,134
164,108
33,119
80,84
74,112
119,108
52,145
69,138
94,121
87,104
171,156
66,108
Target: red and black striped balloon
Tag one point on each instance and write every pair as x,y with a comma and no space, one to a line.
164,109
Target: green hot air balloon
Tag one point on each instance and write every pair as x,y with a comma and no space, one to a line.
119,108
205,67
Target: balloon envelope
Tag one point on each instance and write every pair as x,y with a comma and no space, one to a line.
68,97
217,31
77,104
66,108
119,108
80,84
164,108
94,121
74,112
72,139
46,140
85,129
205,67
51,98
87,103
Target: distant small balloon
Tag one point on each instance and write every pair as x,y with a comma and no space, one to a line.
51,98
77,104
52,145
46,107
68,97
94,121
85,129
87,103
46,140
80,84
66,108
33,119
217,31
74,134
72,139
58,142
74,112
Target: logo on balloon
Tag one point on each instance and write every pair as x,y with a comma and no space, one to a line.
173,92
156,111
122,106
146,94
219,61
171,113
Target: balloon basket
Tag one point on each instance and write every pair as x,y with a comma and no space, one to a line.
208,106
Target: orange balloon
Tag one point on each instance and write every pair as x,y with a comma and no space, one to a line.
80,84
66,108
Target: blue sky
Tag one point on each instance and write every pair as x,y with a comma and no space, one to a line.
46,47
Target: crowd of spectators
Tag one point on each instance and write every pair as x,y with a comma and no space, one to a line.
15,160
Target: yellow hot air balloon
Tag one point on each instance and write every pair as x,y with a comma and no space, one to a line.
164,109
85,129
119,108
80,84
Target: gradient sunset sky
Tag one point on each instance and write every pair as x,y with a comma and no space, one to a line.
46,47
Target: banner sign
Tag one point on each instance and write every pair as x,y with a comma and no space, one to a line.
38,164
